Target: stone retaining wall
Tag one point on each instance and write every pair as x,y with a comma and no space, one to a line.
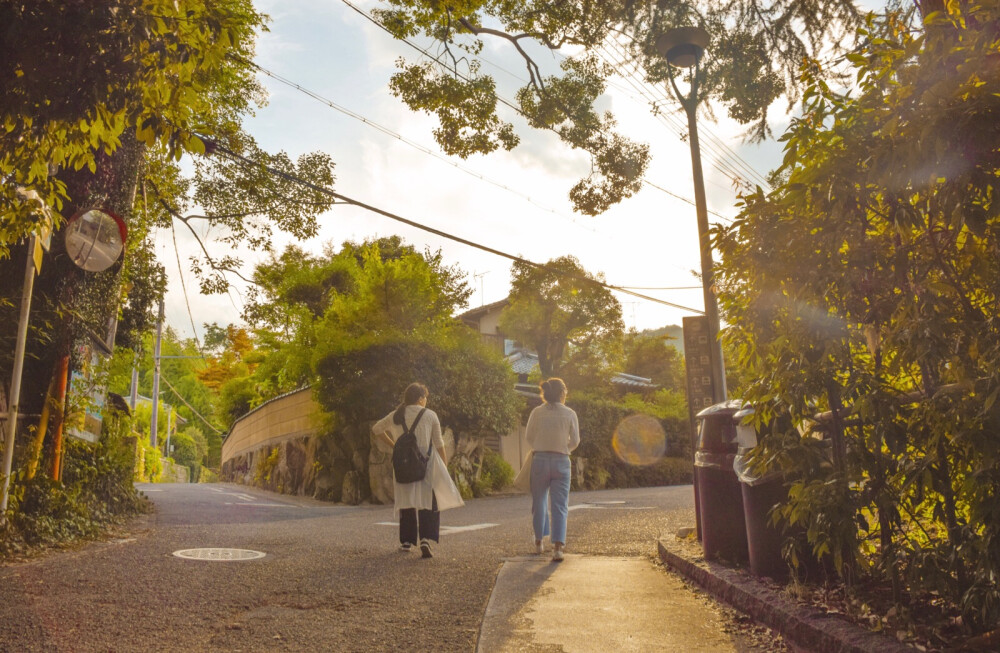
279,447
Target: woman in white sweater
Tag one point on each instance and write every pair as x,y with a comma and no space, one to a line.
552,433
418,504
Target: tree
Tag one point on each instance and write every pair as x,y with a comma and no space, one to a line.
654,358
574,324
867,286
359,324
80,77
101,101
756,50
230,362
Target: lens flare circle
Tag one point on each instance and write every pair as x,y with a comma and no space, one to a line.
639,440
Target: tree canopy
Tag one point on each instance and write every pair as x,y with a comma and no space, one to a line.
364,321
756,49
78,75
655,358
574,324
868,285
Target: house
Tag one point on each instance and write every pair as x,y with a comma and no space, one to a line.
486,320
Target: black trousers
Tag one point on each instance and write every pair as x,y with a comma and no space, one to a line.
416,525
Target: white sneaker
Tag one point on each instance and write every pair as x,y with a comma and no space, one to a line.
557,555
539,546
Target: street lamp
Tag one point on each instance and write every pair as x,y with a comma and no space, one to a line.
683,47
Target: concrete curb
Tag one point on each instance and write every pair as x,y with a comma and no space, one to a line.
809,629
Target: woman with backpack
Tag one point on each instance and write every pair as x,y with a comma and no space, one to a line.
420,456
552,432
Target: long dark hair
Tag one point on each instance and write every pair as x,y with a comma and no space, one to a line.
553,390
413,393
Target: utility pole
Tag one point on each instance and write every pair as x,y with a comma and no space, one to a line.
133,391
170,414
683,47
156,378
15,383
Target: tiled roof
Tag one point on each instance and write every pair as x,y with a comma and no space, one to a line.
632,381
522,362
473,314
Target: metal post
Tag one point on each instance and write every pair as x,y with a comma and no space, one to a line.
156,378
15,382
705,245
170,414
133,391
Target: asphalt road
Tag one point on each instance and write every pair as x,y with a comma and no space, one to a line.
331,578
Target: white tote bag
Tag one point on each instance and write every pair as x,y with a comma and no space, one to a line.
522,482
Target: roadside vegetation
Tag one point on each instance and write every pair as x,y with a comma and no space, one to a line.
866,286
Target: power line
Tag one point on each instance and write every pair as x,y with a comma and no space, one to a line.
726,150
180,273
403,139
212,147
662,287
669,120
724,156
500,98
184,401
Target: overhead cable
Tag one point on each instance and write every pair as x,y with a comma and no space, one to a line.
385,130
213,147
500,98
184,401
727,161
180,274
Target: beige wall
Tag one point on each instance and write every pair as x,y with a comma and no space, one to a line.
290,416
514,447
490,323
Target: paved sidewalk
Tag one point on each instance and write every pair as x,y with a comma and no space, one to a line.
587,604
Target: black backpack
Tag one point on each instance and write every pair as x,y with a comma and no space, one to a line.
408,464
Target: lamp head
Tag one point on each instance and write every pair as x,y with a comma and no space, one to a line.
682,46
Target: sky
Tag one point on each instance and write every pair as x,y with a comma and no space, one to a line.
513,201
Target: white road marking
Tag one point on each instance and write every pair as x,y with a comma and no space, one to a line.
447,529
594,506
238,495
471,527
260,505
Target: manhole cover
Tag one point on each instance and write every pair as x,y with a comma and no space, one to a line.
219,555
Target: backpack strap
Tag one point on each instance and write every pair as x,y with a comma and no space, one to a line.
409,429
414,425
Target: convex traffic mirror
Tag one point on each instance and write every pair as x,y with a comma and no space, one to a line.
95,239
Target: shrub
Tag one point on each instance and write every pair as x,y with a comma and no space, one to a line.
599,418
96,489
266,465
495,474
151,463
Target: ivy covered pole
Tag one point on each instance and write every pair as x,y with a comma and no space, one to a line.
683,47
15,381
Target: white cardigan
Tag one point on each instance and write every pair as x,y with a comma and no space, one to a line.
437,482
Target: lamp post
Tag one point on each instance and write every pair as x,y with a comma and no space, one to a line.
683,47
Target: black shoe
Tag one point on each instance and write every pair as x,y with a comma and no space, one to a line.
425,549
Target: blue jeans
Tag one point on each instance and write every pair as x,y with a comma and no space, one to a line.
550,495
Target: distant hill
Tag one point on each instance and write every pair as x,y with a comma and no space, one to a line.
671,331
